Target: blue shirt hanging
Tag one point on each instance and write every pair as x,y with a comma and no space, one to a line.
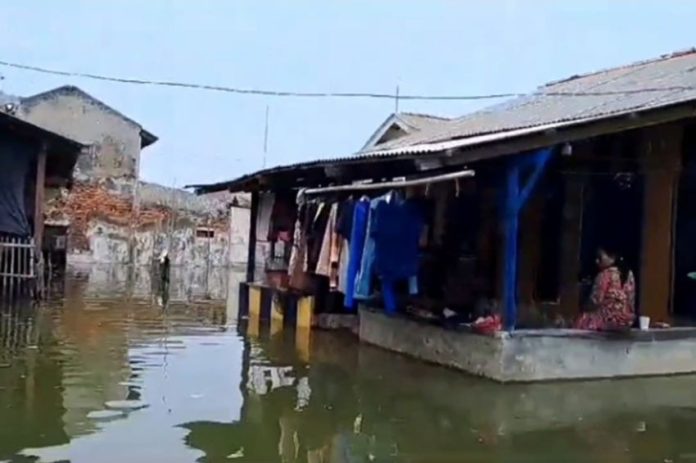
396,228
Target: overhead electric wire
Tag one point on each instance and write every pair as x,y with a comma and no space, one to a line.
285,93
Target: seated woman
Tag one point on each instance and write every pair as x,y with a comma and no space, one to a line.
613,295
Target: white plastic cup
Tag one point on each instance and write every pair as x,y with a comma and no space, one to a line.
644,323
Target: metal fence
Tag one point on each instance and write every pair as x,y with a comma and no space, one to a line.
18,267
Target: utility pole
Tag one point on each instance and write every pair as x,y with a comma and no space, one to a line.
265,139
396,100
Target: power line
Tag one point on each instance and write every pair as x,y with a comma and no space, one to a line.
284,93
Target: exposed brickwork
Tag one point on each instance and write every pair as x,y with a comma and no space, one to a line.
86,202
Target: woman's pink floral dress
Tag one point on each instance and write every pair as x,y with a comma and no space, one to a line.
613,301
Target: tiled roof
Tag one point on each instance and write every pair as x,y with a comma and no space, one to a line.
645,85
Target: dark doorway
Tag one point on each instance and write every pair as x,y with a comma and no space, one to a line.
684,295
612,216
55,249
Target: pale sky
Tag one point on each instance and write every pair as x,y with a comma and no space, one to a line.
424,47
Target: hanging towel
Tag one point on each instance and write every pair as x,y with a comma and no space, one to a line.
355,249
363,283
315,236
343,266
327,244
263,217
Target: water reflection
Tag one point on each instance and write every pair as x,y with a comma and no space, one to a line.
116,378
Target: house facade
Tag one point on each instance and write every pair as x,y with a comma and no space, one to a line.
106,214
602,158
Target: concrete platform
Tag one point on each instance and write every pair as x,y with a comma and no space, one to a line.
536,355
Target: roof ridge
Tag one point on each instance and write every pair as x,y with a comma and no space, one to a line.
424,115
663,57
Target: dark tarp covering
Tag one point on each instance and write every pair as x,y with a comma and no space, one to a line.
16,159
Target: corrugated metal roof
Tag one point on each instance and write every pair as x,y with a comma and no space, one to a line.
670,79
420,121
634,88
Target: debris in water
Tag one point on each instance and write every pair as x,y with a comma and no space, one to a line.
357,424
641,426
104,414
128,405
238,454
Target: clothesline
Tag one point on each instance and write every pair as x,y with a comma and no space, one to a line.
390,184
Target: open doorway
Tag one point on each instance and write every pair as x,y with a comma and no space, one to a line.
612,216
54,248
684,294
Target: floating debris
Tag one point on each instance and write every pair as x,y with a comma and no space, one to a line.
127,405
104,414
238,454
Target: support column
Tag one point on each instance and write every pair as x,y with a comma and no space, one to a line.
515,199
251,254
512,187
39,197
661,155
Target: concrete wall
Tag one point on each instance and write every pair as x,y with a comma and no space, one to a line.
538,355
240,219
115,157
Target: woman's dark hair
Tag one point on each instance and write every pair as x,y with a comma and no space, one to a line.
619,261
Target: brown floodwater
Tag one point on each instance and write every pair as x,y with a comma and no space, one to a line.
107,373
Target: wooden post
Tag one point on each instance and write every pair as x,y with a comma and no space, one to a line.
661,151
251,255
39,196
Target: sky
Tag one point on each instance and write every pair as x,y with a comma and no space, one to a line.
431,47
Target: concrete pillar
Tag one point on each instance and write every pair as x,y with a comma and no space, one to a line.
661,151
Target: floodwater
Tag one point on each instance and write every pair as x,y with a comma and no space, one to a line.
107,374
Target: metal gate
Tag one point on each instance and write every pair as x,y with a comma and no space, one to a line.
18,269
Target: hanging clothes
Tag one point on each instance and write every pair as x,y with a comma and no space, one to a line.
315,235
263,217
344,221
363,283
296,273
396,230
343,260
327,243
361,213
391,248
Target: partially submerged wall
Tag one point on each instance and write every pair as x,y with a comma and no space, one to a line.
536,355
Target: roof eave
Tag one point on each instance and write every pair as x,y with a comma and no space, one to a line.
147,138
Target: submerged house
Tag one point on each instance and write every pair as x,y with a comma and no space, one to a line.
32,159
522,196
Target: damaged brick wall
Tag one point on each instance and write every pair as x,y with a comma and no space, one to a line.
105,227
